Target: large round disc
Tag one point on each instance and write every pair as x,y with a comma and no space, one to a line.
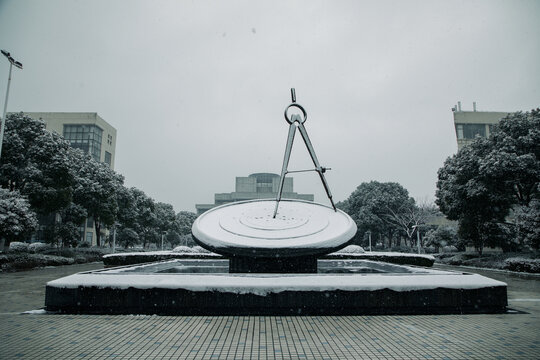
248,228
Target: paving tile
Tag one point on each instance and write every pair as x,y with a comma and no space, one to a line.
500,336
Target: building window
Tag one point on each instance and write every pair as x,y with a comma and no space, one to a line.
108,158
109,139
264,182
86,137
89,222
459,131
89,237
491,127
469,131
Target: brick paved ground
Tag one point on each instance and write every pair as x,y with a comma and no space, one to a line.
503,336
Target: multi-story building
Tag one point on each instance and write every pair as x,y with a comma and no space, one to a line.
85,131
469,124
88,132
255,186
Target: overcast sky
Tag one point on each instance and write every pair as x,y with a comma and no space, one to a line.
197,89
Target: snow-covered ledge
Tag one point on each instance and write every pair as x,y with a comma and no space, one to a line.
138,290
264,284
131,258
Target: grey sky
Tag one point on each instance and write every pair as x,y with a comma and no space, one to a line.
196,89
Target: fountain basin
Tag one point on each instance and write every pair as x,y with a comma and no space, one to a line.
340,287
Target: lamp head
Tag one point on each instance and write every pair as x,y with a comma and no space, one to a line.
11,59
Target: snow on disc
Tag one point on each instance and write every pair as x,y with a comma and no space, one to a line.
250,224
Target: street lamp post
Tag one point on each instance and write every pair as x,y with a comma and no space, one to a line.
3,124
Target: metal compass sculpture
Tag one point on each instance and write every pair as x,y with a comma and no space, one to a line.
276,235
296,121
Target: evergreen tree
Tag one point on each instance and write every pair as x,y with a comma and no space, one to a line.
17,220
371,204
484,181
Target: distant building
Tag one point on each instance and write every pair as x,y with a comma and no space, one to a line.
255,186
469,124
85,131
88,132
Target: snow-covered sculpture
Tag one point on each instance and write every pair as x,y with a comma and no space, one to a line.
278,235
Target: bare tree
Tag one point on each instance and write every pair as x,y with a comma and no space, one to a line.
410,216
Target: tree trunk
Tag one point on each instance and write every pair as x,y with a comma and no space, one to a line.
97,226
480,249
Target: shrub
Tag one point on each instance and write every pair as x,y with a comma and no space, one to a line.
184,249
24,261
65,252
38,247
80,259
403,249
450,248
522,265
430,250
200,249
460,259
18,247
352,249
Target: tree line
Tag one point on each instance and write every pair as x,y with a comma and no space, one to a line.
43,177
490,187
384,212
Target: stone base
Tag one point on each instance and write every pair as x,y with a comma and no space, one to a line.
184,287
94,300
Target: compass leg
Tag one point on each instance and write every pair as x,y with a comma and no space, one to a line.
318,167
286,157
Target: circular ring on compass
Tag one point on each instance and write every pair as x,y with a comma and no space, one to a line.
290,121
248,228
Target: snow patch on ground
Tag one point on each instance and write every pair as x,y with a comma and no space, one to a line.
35,312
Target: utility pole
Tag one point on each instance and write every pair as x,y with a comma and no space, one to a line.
3,124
